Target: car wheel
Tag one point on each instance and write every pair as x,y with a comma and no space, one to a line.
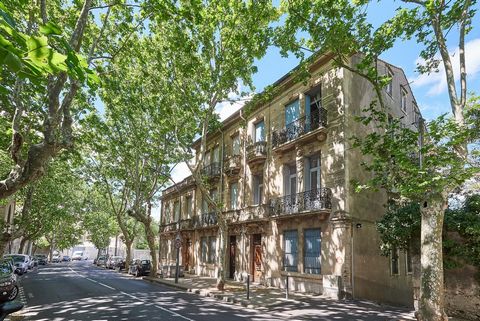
13,294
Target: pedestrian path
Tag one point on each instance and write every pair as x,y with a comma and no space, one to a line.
296,307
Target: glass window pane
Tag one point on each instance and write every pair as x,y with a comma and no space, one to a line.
312,251
260,132
290,259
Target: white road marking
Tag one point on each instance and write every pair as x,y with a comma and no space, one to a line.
134,297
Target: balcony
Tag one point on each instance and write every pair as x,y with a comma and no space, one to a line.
256,153
314,201
212,170
186,224
232,165
170,227
302,130
206,220
247,214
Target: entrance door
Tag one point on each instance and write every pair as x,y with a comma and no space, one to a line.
256,257
186,255
233,251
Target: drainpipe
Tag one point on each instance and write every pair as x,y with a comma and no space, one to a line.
244,160
244,263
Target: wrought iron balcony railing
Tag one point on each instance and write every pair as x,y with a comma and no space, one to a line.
313,200
299,127
206,219
211,170
232,164
257,151
185,224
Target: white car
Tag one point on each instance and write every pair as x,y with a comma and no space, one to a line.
21,262
77,256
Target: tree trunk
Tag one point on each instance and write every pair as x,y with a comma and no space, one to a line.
22,245
51,251
151,245
432,301
4,239
128,244
222,246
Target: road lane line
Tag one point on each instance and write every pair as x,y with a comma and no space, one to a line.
157,306
175,314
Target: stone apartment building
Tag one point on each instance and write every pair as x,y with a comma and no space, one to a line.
282,170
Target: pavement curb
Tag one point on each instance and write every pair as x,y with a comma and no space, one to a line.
229,298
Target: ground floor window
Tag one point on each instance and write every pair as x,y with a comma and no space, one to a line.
208,249
204,250
312,251
394,268
408,262
290,259
212,249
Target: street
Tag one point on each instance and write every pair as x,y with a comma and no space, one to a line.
81,291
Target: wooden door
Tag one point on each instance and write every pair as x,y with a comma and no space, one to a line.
256,257
233,252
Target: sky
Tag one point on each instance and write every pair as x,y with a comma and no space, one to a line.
430,91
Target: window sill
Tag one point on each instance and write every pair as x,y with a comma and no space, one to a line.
302,275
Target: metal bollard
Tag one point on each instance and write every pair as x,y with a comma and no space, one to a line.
286,288
248,286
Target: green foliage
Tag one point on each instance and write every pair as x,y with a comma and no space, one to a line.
461,241
398,226
35,56
405,164
466,222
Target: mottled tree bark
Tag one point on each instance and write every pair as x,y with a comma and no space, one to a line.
22,245
221,251
432,299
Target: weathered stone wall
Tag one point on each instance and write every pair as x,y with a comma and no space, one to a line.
462,292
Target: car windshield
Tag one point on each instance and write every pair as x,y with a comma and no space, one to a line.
16,258
145,261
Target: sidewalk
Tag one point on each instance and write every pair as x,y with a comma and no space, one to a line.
297,306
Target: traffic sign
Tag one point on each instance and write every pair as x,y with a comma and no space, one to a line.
178,242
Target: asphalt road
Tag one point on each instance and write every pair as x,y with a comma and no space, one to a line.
81,291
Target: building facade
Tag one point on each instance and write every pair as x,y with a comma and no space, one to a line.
282,171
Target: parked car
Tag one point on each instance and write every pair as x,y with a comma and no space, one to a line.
66,258
101,260
120,265
139,267
41,258
77,256
20,261
56,258
8,282
112,261
33,262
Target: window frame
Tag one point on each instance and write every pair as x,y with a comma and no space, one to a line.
294,254
236,142
394,257
408,259
403,99
257,189
305,232
255,127
234,200
389,85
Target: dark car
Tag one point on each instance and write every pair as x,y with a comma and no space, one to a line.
66,258
41,258
120,265
112,261
8,282
101,261
139,267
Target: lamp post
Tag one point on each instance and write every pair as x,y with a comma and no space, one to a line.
178,245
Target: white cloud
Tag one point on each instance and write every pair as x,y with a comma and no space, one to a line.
180,172
438,82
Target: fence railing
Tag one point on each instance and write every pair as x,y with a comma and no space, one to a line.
313,200
299,127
